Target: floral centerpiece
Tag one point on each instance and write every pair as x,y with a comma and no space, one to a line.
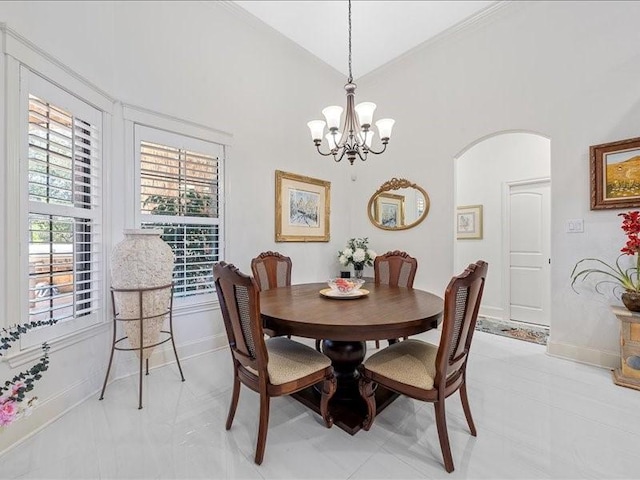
14,403
626,277
358,254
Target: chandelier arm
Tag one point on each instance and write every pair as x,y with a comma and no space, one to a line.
324,154
384,147
344,150
363,158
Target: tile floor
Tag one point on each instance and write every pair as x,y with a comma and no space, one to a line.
537,417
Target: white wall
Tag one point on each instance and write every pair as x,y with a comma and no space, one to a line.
567,70
481,173
207,63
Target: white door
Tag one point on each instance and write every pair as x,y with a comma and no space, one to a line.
529,252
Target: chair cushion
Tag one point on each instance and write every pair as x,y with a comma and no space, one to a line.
411,362
290,360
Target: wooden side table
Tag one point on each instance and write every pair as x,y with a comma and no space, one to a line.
628,375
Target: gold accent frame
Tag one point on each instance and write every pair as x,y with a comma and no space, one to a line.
476,233
287,232
396,184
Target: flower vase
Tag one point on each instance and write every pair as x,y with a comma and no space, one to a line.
631,300
358,270
142,260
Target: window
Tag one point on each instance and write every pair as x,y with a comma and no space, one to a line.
180,193
63,182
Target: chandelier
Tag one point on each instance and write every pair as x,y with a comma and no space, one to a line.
356,136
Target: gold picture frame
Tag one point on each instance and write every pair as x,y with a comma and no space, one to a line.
469,222
302,208
615,174
388,210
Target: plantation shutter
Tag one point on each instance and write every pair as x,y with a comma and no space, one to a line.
64,230
180,183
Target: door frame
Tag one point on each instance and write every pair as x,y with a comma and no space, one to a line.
506,240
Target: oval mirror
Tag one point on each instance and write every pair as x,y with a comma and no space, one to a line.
398,204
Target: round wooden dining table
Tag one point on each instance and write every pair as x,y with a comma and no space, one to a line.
344,324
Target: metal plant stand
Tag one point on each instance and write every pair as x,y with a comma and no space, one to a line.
141,319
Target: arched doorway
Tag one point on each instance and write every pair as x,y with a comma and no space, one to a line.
504,180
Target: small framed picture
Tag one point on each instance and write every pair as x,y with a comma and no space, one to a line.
302,208
615,174
389,210
469,222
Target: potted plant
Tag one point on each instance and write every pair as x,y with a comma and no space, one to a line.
358,254
622,277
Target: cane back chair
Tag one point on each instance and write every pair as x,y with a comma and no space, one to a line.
396,269
428,372
272,367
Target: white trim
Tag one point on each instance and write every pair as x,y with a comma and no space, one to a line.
495,313
589,356
170,124
38,60
3,182
12,191
34,352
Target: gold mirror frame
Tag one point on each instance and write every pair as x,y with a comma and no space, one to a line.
396,184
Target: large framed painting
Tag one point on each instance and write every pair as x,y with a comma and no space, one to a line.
302,208
389,210
615,174
469,222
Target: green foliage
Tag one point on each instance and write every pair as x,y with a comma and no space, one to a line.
24,380
627,279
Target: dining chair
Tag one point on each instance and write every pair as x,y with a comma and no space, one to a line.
272,367
271,270
396,269
428,372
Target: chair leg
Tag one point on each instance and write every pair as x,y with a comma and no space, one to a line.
263,426
318,345
377,343
329,387
234,399
465,406
441,423
367,393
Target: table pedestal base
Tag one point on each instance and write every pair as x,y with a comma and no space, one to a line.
346,406
347,414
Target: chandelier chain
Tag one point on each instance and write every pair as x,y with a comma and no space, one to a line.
350,74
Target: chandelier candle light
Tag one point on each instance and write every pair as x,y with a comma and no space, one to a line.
356,136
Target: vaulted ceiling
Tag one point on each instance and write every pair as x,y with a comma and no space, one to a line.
381,30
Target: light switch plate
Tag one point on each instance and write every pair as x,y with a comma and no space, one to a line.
575,225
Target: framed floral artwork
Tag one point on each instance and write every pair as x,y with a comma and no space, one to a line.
302,208
469,222
615,174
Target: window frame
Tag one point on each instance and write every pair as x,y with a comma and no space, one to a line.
161,129
31,83
17,56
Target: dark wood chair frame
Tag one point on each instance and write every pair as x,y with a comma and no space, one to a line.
396,260
270,261
227,279
451,359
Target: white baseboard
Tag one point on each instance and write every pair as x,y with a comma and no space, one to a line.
48,411
494,313
589,356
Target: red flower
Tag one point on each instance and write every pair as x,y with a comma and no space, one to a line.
631,226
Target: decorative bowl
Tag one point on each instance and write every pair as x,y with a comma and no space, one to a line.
345,286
